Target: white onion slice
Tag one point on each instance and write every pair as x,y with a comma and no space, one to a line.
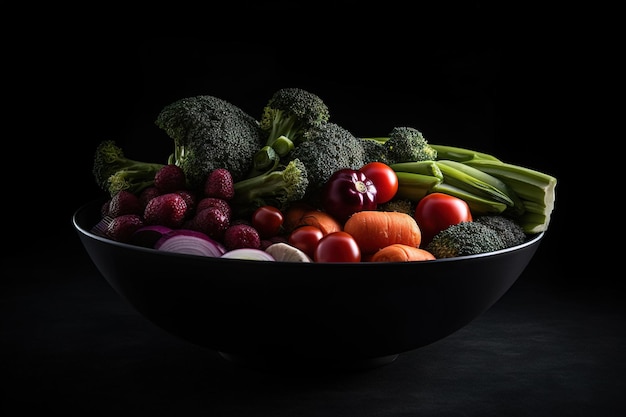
248,253
285,252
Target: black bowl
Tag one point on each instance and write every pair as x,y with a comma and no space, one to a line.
272,314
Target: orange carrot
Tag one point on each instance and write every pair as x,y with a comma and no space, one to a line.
293,215
304,215
320,219
373,229
399,252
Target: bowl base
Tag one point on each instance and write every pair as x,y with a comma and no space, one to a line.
289,364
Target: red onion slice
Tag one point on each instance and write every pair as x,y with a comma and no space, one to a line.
190,242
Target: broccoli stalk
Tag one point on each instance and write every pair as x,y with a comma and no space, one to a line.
290,112
278,187
113,171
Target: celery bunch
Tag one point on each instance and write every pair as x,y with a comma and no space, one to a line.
487,184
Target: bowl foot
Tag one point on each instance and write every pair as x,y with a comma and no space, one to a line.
289,364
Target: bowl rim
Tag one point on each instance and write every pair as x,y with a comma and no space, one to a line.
531,240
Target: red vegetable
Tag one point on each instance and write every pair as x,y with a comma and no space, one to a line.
147,236
437,211
384,178
306,238
346,192
337,247
190,242
268,221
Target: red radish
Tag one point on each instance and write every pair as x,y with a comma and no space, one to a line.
211,221
170,178
124,202
190,242
166,209
121,228
207,202
219,184
241,235
148,194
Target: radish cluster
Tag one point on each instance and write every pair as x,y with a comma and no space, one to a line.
172,217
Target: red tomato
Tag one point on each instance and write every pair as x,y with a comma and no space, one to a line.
337,247
306,238
437,211
267,220
384,178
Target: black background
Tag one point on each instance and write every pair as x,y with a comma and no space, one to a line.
478,92
474,76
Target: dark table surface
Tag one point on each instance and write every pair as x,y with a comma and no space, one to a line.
69,344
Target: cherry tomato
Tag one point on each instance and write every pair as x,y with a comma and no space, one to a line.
437,211
384,178
306,238
346,192
337,247
267,220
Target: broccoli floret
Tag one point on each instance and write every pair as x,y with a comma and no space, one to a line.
114,172
374,151
327,148
509,230
465,238
291,111
401,205
278,187
407,144
210,133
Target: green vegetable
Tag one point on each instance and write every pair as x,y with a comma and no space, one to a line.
210,133
414,186
465,238
403,205
114,172
327,148
278,187
487,184
509,230
535,189
416,179
408,144
454,153
403,144
290,112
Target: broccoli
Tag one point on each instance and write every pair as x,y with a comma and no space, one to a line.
210,133
407,144
113,171
327,148
509,230
279,186
374,151
290,112
402,205
465,238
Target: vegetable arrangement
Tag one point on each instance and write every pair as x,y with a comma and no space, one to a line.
294,186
